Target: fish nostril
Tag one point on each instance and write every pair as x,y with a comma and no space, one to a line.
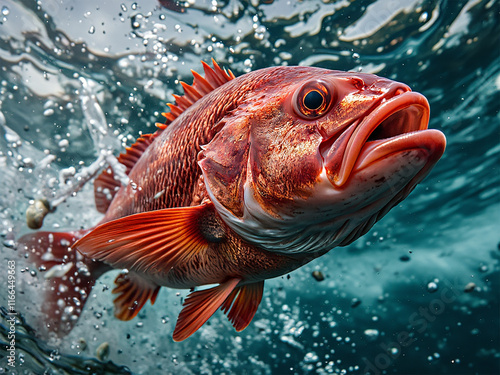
358,83
400,91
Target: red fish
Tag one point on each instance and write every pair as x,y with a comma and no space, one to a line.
248,179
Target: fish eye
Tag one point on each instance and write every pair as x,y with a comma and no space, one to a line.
313,99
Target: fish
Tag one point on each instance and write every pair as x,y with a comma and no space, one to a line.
248,179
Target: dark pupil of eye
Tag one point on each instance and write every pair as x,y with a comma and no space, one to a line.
313,100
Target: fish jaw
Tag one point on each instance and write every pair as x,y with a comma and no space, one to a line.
396,125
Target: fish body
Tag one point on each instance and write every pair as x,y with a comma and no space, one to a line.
253,177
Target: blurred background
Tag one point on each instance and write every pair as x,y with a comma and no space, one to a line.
418,294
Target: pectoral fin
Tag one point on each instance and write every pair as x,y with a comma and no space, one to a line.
150,241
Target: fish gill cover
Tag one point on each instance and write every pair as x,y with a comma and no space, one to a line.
416,294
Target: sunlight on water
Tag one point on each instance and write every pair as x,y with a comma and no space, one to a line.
419,293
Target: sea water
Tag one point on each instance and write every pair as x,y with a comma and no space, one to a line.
418,294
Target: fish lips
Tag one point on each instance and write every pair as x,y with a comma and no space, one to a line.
396,125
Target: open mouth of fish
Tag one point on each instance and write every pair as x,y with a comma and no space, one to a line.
396,125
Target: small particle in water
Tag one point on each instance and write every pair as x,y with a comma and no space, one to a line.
432,287
355,55
82,343
36,212
139,324
5,11
470,287
135,23
355,302
404,258
92,30
102,351
124,7
318,275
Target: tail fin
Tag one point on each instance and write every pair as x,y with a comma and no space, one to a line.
69,277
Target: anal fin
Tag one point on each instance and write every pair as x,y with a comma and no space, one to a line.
133,292
242,304
199,306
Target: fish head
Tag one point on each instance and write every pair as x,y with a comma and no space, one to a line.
313,158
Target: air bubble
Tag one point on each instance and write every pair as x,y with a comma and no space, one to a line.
432,286
371,334
48,112
423,17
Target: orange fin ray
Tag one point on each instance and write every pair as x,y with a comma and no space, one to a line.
199,306
182,102
242,304
202,85
214,77
152,241
133,293
190,92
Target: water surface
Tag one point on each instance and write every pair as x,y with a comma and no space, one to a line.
394,302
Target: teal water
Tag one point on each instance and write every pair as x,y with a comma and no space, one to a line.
394,302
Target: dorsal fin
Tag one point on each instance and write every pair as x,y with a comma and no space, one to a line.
214,77
106,186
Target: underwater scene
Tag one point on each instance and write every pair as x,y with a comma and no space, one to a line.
414,293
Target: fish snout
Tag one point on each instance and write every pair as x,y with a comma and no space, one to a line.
387,88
